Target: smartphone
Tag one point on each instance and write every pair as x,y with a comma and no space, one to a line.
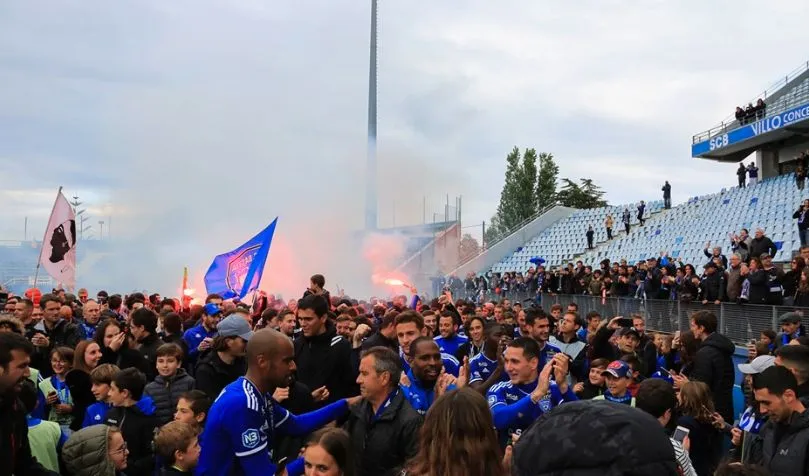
53,392
665,371
625,322
680,433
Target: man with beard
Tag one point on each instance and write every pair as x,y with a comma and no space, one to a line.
15,452
425,381
786,434
245,417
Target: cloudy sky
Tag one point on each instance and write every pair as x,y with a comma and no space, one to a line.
193,123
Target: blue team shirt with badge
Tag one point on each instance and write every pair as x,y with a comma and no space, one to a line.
481,368
238,425
450,345
513,409
547,353
451,364
419,396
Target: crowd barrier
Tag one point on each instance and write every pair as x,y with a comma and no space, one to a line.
739,322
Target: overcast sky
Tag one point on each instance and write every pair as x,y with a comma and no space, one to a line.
193,123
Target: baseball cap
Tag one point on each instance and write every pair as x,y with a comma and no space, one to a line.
211,309
234,326
618,369
758,365
790,318
623,331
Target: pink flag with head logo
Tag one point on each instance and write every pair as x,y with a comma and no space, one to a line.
58,254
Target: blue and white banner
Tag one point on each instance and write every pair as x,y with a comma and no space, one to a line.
768,124
238,272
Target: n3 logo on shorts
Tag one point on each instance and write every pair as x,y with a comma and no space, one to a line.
250,438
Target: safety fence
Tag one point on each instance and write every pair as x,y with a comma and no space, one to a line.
739,322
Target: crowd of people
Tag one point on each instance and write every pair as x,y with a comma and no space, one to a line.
751,113
329,385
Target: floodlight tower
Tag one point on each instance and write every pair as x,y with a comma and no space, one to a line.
370,168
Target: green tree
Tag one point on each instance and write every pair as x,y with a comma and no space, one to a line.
546,182
586,195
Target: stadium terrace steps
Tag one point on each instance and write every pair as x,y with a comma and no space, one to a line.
566,238
682,231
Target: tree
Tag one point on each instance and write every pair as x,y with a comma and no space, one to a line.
469,247
517,202
586,195
546,182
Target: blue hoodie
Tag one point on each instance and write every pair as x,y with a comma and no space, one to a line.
95,414
419,396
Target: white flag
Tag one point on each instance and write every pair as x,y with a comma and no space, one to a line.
58,255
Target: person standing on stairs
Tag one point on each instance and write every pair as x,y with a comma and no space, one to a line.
741,173
752,171
608,222
625,218
590,236
666,195
641,209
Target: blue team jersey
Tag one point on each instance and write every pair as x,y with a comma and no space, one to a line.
194,336
451,364
481,368
513,410
450,345
238,435
582,334
419,396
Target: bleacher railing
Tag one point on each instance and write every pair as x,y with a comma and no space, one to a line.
506,234
730,122
739,322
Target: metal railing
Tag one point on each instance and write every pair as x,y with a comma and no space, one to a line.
739,322
779,107
488,245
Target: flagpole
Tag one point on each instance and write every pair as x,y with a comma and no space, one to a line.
42,243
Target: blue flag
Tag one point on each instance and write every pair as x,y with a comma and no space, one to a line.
238,272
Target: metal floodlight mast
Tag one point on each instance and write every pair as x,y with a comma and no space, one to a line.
371,174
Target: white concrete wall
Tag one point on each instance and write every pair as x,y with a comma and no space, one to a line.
509,245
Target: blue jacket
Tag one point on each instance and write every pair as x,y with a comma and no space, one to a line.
419,396
95,414
193,337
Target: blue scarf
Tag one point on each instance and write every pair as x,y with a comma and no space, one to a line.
626,399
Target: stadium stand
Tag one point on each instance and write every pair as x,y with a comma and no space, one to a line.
566,239
682,231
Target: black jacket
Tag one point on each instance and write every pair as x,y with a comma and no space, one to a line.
383,445
81,391
165,392
638,443
15,452
378,340
785,446
759,246
137,424
64,333
713,365
124,358
212,375
325,359
713,287
147,348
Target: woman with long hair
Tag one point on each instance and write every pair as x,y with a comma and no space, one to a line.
757,281
696,409
802,293
474,330
115,350
86,357
792,279
329,453
686,345
458,438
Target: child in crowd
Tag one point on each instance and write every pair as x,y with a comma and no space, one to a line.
101,378
171,381
178,447
134,415
192,408
54,389
45,437
634,373
768,337
594,386
619,377
665,353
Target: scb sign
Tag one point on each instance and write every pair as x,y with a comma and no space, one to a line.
719,141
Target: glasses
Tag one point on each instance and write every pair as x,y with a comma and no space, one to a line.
119,450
